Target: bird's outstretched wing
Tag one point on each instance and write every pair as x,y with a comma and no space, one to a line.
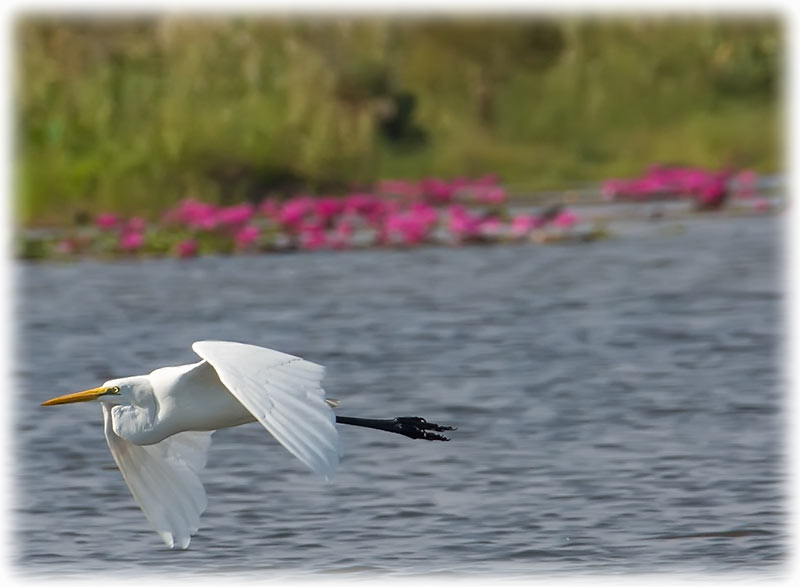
163,479
283,393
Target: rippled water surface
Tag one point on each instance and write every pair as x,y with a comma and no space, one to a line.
619,408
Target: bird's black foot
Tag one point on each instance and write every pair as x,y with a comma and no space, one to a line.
412,427
416,427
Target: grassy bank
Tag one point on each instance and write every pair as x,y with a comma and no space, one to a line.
131,116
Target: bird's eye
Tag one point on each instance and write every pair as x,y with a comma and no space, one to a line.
114,389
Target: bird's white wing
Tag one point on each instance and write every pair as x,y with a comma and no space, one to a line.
283,393
163,479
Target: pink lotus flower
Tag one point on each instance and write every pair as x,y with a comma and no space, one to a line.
187,248
368,206
690,181
131,241
406,228
425,214
193,214
107,221
660,181
294,210
234,216
713,194
328,208
246,236
461,223
565,219
522,224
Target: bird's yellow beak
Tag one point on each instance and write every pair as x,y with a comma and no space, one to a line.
81,396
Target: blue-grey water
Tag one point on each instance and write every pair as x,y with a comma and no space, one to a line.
620,408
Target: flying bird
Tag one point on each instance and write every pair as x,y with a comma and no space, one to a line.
158,426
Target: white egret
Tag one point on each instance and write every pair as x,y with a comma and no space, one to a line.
159,426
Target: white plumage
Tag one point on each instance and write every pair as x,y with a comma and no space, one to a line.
284,394
163,479
159,426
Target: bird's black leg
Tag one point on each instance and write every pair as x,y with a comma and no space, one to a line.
411,426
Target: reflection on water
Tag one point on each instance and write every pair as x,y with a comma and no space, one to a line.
618,408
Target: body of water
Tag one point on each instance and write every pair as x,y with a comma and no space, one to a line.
620,408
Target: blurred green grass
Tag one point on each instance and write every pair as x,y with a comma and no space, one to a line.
131,115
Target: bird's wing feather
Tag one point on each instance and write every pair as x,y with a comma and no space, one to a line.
163,479
283,393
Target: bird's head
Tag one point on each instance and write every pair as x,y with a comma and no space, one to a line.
113,391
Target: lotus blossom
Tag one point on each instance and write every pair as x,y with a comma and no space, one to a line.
193,214
328,208
407,228
367,206
187,248
713,194
399,212
246,235
565,219
293,211
709,189
235,216
131,241
107,221
425,214
522,224
462,224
